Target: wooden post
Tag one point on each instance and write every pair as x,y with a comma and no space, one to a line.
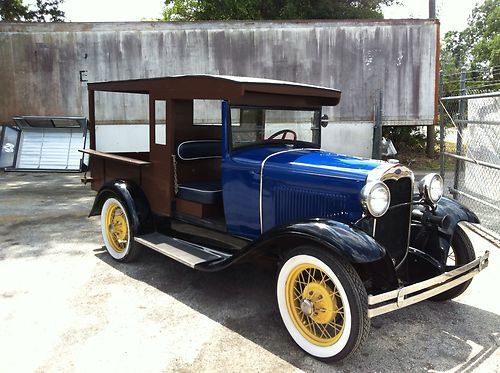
92,119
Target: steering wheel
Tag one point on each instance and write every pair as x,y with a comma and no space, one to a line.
283,134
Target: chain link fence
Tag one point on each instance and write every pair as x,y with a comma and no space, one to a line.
470,148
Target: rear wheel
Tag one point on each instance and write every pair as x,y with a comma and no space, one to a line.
323,303
116,231
461,252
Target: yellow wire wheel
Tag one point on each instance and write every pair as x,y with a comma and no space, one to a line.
315,305
115,228
322,302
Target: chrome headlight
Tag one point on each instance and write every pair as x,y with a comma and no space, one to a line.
375,198
431,188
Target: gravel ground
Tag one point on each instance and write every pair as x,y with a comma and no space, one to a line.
66,306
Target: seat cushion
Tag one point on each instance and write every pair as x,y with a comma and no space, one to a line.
205,192
199,149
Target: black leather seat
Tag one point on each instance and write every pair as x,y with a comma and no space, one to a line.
205,192
199,149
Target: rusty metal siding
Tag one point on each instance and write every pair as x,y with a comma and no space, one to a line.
40,63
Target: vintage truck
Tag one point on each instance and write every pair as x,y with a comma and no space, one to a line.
350,238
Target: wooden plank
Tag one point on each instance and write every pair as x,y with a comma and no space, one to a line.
115,157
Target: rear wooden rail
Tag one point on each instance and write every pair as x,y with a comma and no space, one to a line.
115,158
119,158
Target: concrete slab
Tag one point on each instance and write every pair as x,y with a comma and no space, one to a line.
66,306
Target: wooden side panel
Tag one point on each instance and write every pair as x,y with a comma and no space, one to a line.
104,170
157,178
197,132
199,170
197,209
97,173
185,130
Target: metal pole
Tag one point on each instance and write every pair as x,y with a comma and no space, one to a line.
377,129
432,9
441,125
461,117
431,134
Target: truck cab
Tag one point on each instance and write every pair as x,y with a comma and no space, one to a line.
235,170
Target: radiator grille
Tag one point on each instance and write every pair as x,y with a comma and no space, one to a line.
392,229
297,203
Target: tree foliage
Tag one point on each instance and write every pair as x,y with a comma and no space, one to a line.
476,48
43,11
199,10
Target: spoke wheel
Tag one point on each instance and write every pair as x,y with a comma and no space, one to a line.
116,227
315,304
323,303
116,232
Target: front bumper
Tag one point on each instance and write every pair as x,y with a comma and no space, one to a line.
408,295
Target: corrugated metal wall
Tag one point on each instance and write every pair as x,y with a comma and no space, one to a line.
40,64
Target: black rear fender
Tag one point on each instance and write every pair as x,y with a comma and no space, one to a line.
134,200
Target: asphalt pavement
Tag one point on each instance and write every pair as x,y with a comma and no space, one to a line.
65,306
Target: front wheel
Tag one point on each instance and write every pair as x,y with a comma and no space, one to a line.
323,303
116,231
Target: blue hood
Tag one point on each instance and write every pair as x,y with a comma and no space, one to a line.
322,163
311,183
295,184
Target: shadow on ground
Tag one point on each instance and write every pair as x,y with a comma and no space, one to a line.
428,336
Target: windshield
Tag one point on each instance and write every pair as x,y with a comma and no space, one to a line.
251,126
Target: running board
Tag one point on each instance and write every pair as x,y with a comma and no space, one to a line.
180,250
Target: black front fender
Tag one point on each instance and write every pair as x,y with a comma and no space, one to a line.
436,240
353,244
134,200
456,212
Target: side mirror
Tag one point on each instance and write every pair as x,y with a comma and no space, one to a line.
324,120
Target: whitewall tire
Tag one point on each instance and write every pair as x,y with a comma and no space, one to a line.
116,231
323,303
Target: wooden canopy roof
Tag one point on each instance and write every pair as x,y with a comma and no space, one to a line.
237,90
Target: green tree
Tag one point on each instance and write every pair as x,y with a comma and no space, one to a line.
12,10
198,10
477,48
483,34
43,11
